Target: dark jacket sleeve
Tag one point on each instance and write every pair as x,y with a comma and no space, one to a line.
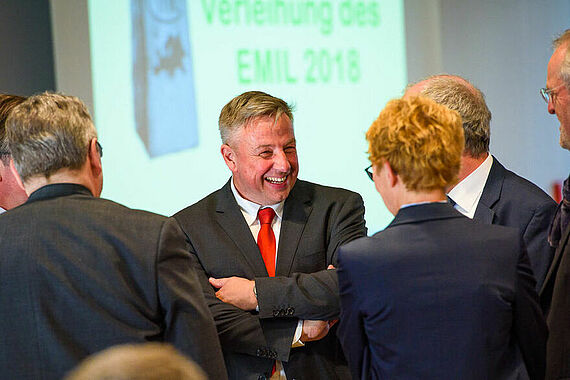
351,332
314,295
535,237
188,322
242,331
529,324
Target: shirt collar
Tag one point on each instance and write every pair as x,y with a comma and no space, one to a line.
250,209
466,194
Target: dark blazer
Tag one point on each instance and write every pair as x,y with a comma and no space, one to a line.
316,221
512,201
438,296
555,298
79,274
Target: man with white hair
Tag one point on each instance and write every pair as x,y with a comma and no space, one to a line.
555,294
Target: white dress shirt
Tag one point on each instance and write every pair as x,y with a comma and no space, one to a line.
467,193
249,210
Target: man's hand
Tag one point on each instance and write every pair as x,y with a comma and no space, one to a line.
236,291
315,330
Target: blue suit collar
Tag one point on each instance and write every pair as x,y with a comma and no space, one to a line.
423,212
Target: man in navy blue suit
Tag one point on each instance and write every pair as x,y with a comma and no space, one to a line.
435,295
486,191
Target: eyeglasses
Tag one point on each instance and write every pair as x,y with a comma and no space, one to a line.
548,92
368,171
99,149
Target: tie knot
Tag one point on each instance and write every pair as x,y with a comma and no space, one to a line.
265,215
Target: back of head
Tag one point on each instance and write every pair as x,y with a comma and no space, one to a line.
248,106
7,104
150,361
564,40
421,140
459,95
49,132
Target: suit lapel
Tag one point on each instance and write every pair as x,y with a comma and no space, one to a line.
231,220
297,209
491,193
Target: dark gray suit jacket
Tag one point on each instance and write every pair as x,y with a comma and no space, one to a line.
438,296
79,274
316,221
555,298
512,201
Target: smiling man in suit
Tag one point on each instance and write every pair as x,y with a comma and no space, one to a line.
79,273
488,192
265,243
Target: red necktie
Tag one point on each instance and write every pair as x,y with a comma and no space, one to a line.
266,239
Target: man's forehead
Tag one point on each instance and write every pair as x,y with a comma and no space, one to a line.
553,69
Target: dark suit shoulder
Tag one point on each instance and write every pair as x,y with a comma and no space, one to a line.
83,205
531,192
203,206
322,191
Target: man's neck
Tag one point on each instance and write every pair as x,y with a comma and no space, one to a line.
61,176
469,164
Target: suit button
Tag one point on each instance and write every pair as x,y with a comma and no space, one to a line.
258,352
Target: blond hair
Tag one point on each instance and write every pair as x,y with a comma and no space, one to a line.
421,140
148,361
248,106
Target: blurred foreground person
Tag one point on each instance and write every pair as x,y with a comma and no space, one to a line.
79,273
149,361
435,295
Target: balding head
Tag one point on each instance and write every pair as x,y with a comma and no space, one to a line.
460,95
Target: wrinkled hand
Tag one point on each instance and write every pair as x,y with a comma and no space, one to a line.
315,330
236,291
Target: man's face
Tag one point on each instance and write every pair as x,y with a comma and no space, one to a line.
559,103
262,156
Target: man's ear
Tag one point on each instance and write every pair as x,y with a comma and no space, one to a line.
94,158
390,174
229,157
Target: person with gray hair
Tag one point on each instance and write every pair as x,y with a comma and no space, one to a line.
12,192
265,245
555,294
486,191
79,273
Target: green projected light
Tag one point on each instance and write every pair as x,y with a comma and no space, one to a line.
337,62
